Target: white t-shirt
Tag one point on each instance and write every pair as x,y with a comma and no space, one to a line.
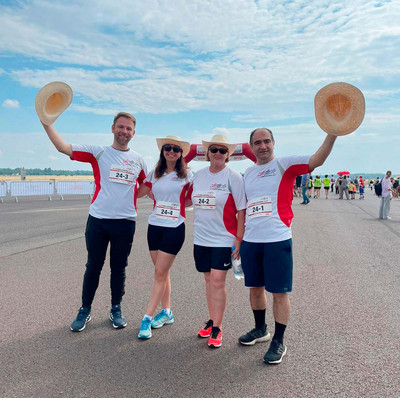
116,174
216,199
269,192
169,193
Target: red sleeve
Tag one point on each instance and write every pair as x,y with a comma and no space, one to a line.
141,177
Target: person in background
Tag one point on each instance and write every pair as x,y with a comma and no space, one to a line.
298,186
395,189
317,187
356,184
352,189
326,182
310,186
378,187
384,207
304,186
333,180
361,191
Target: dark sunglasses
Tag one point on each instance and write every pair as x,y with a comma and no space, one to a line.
222,151
175,148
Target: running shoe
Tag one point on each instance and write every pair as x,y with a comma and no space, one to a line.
145,329
215,339
255,336
117,318
162,318
81,320
275,353
206,331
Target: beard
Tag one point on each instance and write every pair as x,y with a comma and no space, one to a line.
122,139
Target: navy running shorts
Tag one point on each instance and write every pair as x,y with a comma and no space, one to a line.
268,264
206,258
166,239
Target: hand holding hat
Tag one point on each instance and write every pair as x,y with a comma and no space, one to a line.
339,108
52,100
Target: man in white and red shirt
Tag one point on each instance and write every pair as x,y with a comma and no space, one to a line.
266,249
112,214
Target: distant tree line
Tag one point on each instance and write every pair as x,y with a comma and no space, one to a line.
46,171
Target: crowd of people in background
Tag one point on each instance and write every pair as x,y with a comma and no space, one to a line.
350,187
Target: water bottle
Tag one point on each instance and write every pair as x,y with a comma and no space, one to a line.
237,267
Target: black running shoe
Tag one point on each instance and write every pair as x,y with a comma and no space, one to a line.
275,353
255,336
81,320
117,318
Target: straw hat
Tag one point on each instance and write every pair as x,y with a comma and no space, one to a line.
52,100
219,140
339,108
174,140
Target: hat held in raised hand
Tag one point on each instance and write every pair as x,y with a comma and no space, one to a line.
339,108
52,100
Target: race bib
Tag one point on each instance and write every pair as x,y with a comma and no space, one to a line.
204,200
121,175
259,207
167,211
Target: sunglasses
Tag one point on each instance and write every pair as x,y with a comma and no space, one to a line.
222,151
175,148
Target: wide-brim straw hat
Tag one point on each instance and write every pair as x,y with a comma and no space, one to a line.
174,140
52,100
339,108
219,140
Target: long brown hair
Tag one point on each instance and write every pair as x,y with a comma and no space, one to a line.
161,166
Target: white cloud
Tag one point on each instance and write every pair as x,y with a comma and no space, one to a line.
260,61
10,104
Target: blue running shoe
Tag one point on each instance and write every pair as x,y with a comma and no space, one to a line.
145,329
81,320
116,317
162,318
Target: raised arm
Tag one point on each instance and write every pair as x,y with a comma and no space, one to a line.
57,140
322,153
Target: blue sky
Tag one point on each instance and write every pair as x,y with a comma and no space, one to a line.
198,68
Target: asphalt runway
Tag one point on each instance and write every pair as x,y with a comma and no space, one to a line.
343,337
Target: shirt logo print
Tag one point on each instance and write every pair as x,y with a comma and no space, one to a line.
218,187
267,173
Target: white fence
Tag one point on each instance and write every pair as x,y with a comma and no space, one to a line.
74,188
3,190
50,188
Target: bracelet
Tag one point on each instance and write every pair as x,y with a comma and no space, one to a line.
239,239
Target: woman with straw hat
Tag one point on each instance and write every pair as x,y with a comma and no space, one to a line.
168,183
217,194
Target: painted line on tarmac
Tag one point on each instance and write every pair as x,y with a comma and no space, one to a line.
57,209
45,210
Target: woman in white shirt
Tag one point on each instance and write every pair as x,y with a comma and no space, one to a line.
217,194
168,183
